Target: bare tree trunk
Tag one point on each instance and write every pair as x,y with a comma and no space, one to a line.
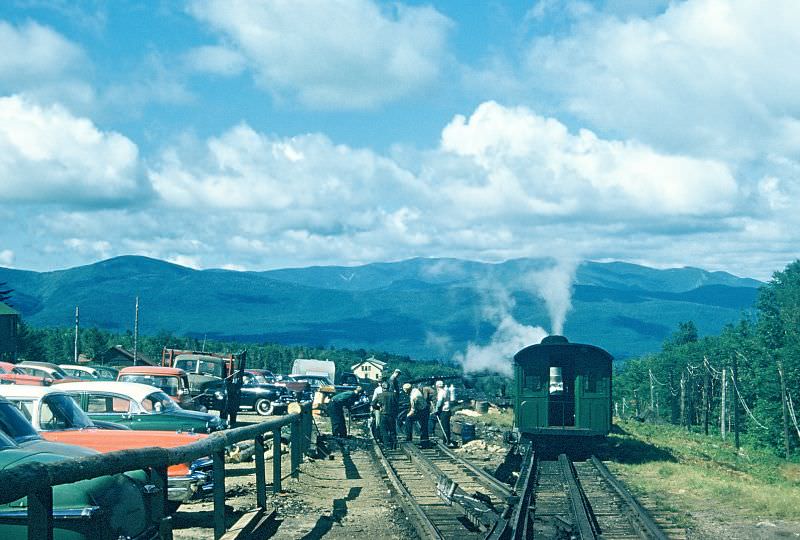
735,402
785,410
722,408
706,403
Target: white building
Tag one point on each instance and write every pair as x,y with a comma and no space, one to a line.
371,368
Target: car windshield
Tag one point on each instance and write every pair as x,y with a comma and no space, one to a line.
191,365
170,385
158,402
59,411
316,380
5,442
15,423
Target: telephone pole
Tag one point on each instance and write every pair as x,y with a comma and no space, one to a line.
77,319
136,333
723,404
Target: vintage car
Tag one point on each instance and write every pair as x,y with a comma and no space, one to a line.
107,373
46,369
84,373
172,381
58,419
138,406
262,397
104,508
10,373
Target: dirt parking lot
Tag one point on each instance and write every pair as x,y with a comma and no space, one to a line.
340,495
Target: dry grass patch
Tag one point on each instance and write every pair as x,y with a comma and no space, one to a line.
687,471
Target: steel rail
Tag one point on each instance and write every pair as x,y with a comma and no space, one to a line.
425,527
581,510
642,516
515,521
485,477
479,513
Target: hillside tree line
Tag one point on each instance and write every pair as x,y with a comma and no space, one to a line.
744,382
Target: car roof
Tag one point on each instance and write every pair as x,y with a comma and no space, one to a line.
137,391
32,363
26,391
152,370
76,366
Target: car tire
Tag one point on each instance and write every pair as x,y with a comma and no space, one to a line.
264,407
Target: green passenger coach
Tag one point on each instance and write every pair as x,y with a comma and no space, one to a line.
563,390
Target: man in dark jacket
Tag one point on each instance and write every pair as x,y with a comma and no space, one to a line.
386,403
336,410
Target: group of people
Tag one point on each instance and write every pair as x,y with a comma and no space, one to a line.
428,408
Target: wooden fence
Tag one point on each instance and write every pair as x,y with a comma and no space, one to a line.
36,480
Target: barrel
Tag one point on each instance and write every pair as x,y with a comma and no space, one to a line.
467,432
482,407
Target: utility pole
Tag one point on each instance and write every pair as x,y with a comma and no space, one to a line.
785,410
723,404
683,401
136,333
736,401
77,319
652,392
706,401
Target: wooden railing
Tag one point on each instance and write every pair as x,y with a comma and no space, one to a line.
36,480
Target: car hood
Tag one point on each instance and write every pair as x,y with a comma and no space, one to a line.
63,448
108,441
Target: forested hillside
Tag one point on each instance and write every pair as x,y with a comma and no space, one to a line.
425,308
748,376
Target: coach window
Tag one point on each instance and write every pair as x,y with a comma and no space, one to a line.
533,381
594,383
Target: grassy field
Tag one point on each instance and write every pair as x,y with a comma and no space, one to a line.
687,471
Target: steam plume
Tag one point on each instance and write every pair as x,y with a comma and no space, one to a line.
509,337
554,286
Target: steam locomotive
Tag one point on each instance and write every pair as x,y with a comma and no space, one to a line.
563,390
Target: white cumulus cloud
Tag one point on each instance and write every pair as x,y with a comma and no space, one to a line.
49,155
328,54
706,77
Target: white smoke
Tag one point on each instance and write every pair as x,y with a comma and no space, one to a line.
509,337
554,286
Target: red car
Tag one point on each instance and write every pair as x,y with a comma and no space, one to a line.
11,373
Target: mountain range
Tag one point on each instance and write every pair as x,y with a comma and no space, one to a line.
426,308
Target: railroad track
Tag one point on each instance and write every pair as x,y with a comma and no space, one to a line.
446,497
582,500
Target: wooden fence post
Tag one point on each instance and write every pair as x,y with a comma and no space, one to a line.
296,455
40,514
218,458
276,461
261,473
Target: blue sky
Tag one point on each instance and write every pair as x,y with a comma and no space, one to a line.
265,134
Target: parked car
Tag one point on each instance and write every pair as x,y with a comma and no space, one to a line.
104,508
10,373
107,373
46,369
84,373
52,415
172,381
263,376
262,397
139,406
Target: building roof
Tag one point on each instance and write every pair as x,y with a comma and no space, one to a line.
5,309
122,351
371,360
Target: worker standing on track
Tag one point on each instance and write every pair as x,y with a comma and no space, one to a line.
336,410
418,413
441,411
386,403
